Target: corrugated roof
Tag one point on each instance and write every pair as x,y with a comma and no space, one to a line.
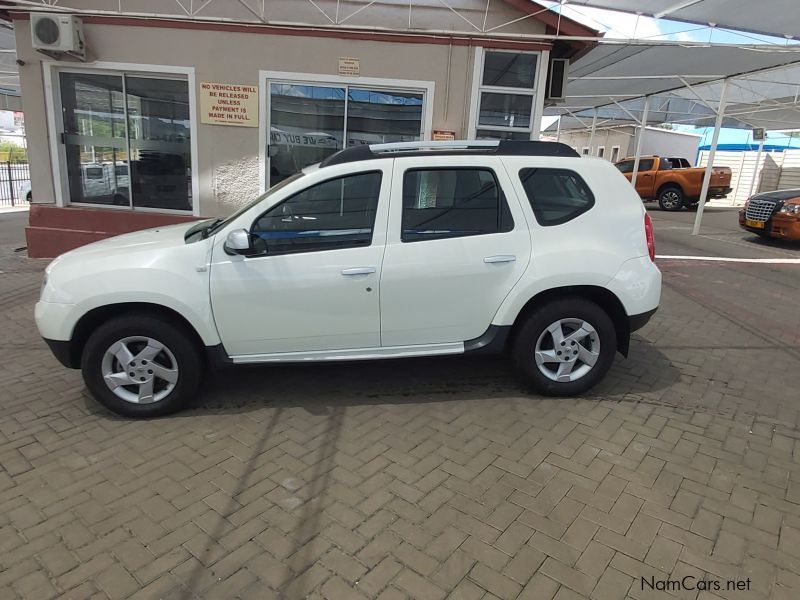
614,77
769,17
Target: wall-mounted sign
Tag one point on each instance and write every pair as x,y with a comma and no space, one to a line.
229,104
440,135
759,134
349,65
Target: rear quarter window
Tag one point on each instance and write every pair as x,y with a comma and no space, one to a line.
556,195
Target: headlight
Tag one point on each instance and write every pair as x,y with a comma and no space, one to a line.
790,209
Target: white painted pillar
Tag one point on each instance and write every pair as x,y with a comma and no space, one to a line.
591,133
638,154
712,152
756,170
558,130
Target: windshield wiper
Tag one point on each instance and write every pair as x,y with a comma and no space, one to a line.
209,229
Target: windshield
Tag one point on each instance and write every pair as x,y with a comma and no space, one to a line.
217,225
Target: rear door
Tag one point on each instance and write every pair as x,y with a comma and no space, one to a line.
457,242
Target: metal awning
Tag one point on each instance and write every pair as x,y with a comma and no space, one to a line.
684,84
638,83
773,17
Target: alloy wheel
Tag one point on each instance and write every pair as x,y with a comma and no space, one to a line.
139,369
567,350
670,199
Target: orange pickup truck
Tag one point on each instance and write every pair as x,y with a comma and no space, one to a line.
673,182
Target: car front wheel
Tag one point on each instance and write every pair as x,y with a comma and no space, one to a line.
141,366
565,347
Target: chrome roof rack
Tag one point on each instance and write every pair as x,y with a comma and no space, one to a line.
455,147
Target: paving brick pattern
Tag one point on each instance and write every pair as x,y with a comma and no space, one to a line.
421,479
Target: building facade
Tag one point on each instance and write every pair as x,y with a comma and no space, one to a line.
616,143
178,117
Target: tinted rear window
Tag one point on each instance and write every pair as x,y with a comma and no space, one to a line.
556,195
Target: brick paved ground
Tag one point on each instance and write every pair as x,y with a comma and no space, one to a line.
424,479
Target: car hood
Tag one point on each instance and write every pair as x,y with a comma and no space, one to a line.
778,195
146,240
128,246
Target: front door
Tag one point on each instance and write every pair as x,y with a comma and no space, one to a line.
312,284
457,243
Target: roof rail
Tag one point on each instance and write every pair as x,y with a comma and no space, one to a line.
496,147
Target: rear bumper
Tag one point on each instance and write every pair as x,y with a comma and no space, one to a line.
719,192
636,322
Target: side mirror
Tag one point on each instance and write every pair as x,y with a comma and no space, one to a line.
238,242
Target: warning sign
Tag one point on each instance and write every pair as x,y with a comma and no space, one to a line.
349,65
229,104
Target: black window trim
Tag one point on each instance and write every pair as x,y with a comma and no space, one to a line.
503,198
566,218
305,189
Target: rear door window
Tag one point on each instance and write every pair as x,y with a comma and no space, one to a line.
556,195
452,202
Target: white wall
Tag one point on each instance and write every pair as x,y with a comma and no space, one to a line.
775,171
665,142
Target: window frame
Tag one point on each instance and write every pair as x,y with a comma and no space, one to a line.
459,167
561,220
614,160
53,69
536,92
275,206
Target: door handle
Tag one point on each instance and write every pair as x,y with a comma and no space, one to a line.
358,271
500,258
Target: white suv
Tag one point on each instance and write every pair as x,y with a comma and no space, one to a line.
383,251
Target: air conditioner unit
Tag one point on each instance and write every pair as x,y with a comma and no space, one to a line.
557,79
58,35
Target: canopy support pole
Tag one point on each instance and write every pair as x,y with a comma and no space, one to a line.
712,152
642,125
756,170
558,130
591,133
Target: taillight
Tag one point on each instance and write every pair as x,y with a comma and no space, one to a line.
648,233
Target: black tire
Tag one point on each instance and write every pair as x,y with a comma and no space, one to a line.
670,198
524,346
179,343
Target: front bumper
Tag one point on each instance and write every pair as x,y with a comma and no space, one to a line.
62,350
780,226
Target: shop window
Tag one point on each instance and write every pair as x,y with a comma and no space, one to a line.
447,203
506,95
308,123
127,140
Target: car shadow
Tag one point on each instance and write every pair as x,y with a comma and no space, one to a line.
413,380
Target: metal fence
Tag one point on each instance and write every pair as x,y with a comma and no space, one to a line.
15,183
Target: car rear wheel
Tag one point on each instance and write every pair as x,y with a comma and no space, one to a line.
670,199
565,347
141,366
